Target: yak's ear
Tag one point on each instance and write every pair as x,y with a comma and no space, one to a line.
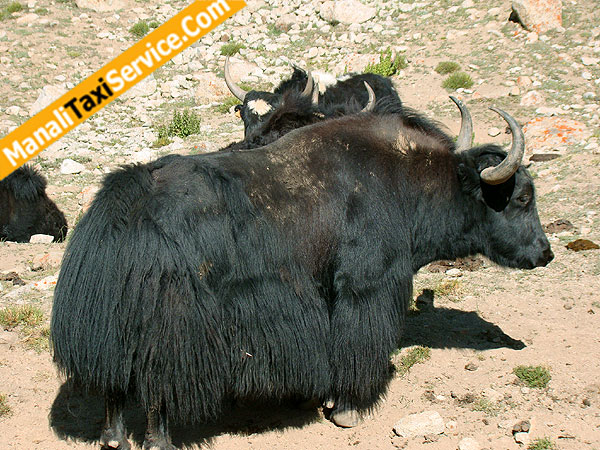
469,181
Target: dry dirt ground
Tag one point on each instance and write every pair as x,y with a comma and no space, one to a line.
481,325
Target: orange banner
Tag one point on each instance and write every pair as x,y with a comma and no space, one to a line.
112,80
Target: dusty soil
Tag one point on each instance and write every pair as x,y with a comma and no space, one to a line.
483,321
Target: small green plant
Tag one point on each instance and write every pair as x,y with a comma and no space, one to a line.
182,125
154,24
413,356
487,406
42,11
224,107
542,444
26,315
38,339
387,66
533,376
447,67
273,30
14,7
231,48
5,409
458,80
140,29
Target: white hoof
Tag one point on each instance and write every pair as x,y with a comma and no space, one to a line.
346,418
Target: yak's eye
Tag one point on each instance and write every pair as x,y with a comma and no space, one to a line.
524,199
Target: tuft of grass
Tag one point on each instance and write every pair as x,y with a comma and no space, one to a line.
415,355
14,7
38,339
25,315
182,125
231,48
450,289
447,67
533,376
140,29
5,409
227,104
458,80
42,11
386,66
154,24
487,406
542,444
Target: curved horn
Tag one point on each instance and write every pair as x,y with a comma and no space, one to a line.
506,169
315,95
464,141
308,89
371,103
234,88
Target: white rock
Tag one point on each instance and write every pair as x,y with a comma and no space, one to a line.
493,395
494,131
522,438
346,11
428,422
455,273
48,95
41,239
101,5
46,283
586,75
69,167
468,444
13,110
589,61
27,18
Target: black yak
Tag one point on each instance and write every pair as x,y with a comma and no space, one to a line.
258,106
283,271
25,209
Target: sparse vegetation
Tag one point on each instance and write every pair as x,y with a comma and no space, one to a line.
37,339
458,80
413,356
14,7
542,444
227,104
140,29
451,289
387,66
25,315
154,24
5,409
231,48
447,67
533,376
487,406
183,124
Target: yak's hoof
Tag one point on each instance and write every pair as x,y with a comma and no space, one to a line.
329,403
346,418
159,444
115,444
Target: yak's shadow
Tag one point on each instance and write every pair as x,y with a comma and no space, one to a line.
452,328
78,415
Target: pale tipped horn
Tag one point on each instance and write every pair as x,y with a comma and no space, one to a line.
315,95
372,100
234,88
507,168
464,141
308,89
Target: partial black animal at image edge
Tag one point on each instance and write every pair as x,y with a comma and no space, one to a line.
25,209
282,271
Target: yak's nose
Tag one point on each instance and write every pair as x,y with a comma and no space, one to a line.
547,256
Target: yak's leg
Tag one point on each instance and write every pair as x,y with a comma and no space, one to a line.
366,322
157,430
113,435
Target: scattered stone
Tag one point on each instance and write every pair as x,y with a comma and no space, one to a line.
551,133
522,438
46,283
451,425
532,98
541,157
514,91
48,95
454,273
101,5
558,226
580,245
587,75
346,11
471,367
12,276
27,18
524,81
589,61
494,131
493,395
428,422
538,15
69,167
46,261
41,239
468,444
